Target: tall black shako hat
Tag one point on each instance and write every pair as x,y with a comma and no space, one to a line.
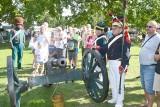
117,20
101,26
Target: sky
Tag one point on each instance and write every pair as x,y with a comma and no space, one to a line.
66,12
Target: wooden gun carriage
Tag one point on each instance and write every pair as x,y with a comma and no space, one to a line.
93,73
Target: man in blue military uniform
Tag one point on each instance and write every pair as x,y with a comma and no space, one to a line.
118,61
17,40
101,39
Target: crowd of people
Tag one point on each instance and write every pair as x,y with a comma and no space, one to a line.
64,44
60,43
114,46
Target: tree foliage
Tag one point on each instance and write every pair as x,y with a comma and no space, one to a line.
138,13
7,11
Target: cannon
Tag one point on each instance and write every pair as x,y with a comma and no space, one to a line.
93,73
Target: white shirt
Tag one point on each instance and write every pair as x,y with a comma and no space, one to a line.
40,55
48,33
60,43
147,52
31,43
41,38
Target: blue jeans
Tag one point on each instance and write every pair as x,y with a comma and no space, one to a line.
147,77
77,50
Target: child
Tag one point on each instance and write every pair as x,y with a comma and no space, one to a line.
72,44
52,47
40,58
90,40
32,44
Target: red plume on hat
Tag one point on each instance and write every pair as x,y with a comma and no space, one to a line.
121,19
18,21
111,15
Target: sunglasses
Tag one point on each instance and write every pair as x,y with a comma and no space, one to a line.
158,28
149,26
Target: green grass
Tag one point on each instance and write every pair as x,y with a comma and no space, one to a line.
75,94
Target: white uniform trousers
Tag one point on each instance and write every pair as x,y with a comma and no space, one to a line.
114,79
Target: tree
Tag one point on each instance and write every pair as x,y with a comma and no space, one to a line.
7,11
139,12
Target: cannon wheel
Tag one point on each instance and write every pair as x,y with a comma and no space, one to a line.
14,89
95,75
11,81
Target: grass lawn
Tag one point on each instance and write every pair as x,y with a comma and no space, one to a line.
75,94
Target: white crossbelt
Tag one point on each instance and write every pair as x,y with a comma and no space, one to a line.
117,37
95,42
15,35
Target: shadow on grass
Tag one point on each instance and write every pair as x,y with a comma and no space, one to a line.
4,100
133,93
132,80
4,96
7,46
133,100
74,94
20,72
4,46
134,55
41,96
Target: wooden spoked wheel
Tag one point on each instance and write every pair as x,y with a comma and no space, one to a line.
95,75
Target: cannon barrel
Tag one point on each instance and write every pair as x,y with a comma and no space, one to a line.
61,62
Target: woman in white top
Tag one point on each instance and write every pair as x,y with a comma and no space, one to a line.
40,58
32,45
60,41
44,40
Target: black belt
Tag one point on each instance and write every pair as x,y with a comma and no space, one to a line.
152,65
